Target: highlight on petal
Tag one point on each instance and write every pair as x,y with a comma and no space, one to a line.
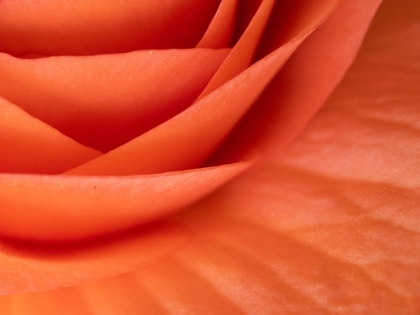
188,139
106,100
31,266
28,145
55,208
220,31
86,27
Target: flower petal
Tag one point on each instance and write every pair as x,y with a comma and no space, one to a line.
106,100
316,68
220,31
275,241
28,145
241,55
49,27
27,266
287,239
188,139
67,208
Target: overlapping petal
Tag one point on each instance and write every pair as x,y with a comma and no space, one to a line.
48,27
56,208
28,145
310,232
302,86
103,101
34,266
219,33
188,139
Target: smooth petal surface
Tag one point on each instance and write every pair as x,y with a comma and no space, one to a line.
309,233
303,84
27,266
57,208
287,22
333,227
104,101
189,139
49,27
220,31
28,145
241,55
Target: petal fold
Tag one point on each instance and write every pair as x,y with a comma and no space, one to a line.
220,31
28,145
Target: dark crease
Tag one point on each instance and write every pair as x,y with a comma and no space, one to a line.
50,249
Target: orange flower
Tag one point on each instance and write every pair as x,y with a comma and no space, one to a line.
326,225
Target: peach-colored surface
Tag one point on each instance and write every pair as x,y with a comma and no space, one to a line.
48,27
220,31
60,208
326,223
104,101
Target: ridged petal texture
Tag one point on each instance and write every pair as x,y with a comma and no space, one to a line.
328,225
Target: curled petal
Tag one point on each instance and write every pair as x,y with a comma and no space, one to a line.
58,207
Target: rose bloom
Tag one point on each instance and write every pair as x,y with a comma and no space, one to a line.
169,158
